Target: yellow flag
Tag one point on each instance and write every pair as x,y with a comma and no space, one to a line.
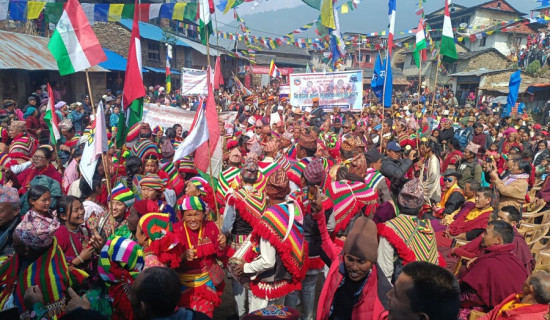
115,11
229,5
179,10
327,14
345,9
34,8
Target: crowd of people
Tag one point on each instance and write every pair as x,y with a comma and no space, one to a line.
315,215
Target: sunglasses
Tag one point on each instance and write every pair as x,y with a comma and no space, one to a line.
258,127
448,179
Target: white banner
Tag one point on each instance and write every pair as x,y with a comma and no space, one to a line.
193,82
334,89
166,116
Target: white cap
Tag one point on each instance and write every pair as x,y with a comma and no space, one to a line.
280,108
308,109
249,134
406,108
251,120
445,112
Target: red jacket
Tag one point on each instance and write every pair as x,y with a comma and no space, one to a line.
530,312
373,301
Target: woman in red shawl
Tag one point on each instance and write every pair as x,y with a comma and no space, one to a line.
453,157
41,165
200,276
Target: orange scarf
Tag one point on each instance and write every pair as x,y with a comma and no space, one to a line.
447,194
476,213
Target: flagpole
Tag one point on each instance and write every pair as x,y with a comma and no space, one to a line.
436,74
218,222
90,91
384,97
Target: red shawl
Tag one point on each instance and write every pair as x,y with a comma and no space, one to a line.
486,275
28,174
451,159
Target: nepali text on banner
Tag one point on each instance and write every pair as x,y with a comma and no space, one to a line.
334,89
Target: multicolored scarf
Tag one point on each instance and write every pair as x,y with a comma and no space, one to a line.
283,161
291,249
268,167
296,171
447,194
291,152
226,178
372,178
50,271
170,169
412,238
250,205
349,198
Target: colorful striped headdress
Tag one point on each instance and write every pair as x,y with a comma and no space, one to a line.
192,203
200,183
120,256
157,129
133,133
155,225
153,181
22,148
4,159
123,194
145,149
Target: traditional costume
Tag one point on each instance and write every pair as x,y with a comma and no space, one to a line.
120,262
201,279
163,248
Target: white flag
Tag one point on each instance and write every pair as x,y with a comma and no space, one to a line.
94,146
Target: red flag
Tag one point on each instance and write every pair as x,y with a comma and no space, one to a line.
218,77
133,81
202,155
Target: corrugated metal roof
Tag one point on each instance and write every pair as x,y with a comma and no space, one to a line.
477,73
149,31
116,62
26,52
159,70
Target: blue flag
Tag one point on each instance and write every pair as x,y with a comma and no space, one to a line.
388,82
513,86
377,82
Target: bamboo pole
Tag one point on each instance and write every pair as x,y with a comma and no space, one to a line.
218,220
436,74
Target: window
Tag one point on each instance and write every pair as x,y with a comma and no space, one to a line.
188,57
483,42
153,50
367,58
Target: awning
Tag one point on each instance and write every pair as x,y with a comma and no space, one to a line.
159,70
115,62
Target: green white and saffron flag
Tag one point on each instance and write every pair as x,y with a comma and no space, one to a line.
448,45
420,44
73,43
51,118
206,8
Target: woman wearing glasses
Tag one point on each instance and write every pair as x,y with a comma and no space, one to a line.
41,164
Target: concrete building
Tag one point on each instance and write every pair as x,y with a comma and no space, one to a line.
487,25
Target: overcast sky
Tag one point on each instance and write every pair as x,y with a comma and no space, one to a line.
279,17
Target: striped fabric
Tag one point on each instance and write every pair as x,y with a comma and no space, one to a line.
267,168
348,199
117,254
22,148
260,184
372,178
291,152
192,203
418,235
283,161
155,225
170,169
295,172
50,271
187,165
226,178
144,149
276,220
255,202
